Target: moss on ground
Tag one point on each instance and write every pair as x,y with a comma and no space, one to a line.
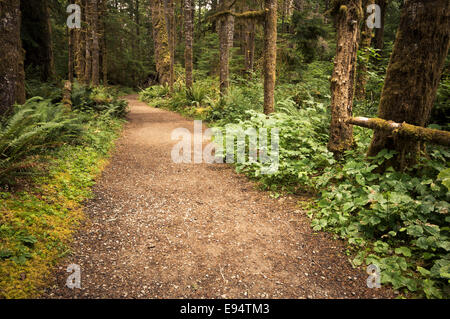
37,223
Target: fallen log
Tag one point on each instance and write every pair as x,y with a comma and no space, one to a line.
416,132
258,15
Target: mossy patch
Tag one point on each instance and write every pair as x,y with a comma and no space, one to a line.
37,223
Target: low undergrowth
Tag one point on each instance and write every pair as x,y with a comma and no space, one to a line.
50,159
396,220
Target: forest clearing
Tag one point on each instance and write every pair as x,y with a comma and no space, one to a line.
224,149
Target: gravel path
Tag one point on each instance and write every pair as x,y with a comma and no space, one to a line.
156,229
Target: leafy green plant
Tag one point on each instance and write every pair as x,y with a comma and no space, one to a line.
35,126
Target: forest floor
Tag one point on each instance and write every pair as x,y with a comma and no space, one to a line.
156,229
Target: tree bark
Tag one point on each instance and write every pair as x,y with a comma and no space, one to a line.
405,130
365,40
103,46
80,44
413,75
250,30
226,29
270,55
38,42
12,75
161,40
95,44
70,57
88,44
347,15
189,37
379,32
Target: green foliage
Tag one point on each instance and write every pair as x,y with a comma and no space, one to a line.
47,90
34,127
61,153
40,125
36,223
98,99
309,28
444,176
396,220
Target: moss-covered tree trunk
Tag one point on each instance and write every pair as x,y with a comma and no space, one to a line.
103,47
226,29
366,35
12,75
250,31
70,62
80,44
37,37
95,44
171,32
88,44
161,41
347,15
379,32
189,38
413,75
270,55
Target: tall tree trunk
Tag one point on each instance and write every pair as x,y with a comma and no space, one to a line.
70,57
189,36
70,60
161,40
12,75
88,45
413,75
379,32
80,45
250,29
38,43
103,48
270,55
347,15
95,44
226,30
137,20
365,39
172,44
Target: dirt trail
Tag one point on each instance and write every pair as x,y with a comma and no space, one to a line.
162,230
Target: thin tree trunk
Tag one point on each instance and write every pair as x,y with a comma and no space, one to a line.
70,58
161,40
379,32
270,55
249,45
413,75
95,44
365,39
12,75
103,47
80,45
137,20
189,36
88,45
347,15
225,39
